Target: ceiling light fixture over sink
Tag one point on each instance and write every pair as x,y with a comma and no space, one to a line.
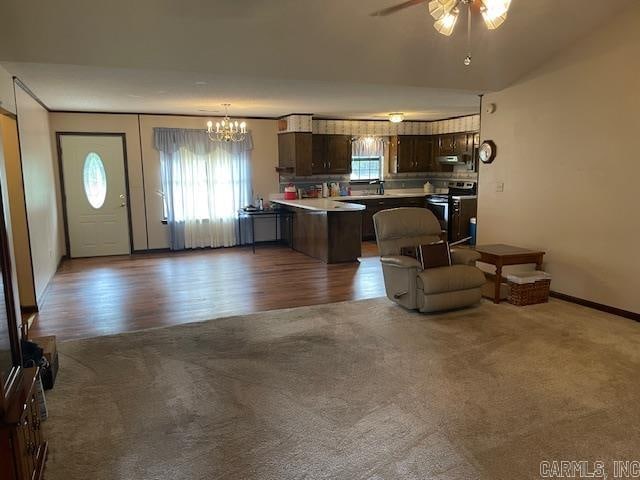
396,117
227,130
446,13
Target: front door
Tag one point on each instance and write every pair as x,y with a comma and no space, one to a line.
93,171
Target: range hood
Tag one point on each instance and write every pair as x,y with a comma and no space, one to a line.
454,159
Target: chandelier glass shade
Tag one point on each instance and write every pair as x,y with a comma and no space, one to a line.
227,130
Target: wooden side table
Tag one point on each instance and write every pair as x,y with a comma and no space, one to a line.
502,255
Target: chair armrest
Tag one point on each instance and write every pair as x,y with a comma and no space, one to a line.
464,256
400,261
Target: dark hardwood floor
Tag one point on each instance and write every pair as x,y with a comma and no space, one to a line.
101,296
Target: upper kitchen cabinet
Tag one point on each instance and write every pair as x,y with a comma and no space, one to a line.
295,153
446,145
454,144
411,153
331,154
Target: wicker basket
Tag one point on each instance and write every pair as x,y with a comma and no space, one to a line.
529,289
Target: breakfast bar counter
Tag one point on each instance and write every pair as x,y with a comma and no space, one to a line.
326,229
321,204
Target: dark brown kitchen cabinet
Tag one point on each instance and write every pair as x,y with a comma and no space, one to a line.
423,153
411,153
446,145
405,158
331,154
376,205
454,144
463,144
294,153
368,230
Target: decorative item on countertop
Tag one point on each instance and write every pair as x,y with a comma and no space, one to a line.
290,192
529,288
325,190
428,188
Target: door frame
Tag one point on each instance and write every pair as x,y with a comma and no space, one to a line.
63,195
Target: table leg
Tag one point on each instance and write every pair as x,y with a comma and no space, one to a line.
539,262
291,230
498,282
253,234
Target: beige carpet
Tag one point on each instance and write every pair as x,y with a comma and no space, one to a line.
356,390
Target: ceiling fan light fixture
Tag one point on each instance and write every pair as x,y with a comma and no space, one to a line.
396,117
447,23
494,12
441,8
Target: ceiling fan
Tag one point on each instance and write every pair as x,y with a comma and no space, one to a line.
446,13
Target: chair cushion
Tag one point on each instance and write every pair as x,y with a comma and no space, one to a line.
450,279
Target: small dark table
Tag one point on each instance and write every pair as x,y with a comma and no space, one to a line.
266,213
502,255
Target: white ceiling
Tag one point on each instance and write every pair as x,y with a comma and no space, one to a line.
273,57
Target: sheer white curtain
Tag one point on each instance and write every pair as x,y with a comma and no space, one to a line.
368,146
204,184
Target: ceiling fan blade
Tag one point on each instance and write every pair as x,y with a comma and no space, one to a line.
396,8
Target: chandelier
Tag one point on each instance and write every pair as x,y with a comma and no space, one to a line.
445,13
227,130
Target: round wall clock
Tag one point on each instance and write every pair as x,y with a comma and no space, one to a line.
487,151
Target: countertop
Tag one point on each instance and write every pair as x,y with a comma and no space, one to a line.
341,203
322,204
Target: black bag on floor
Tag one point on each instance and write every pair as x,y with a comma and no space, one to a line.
33,356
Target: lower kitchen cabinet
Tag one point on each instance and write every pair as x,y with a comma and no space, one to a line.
376,205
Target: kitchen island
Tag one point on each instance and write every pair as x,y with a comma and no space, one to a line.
326,229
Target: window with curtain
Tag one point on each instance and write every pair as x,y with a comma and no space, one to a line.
366,158
204,183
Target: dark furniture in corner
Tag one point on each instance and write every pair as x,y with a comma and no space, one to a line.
23,451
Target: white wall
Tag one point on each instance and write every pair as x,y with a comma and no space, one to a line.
570,163
7,99
127,124
144,161
17,209
40,173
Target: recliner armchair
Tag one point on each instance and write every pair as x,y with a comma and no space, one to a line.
433,289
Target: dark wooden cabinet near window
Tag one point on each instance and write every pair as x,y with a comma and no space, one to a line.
331,154
295,153
412,153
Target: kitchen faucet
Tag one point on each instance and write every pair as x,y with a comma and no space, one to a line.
380,183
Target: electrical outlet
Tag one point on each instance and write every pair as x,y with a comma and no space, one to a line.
500,187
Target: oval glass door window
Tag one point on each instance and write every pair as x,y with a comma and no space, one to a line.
95,180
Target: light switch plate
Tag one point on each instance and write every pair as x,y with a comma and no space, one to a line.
500,187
